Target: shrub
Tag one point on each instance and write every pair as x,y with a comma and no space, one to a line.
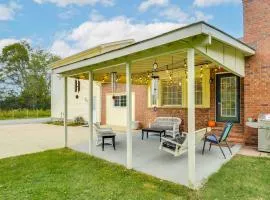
79,120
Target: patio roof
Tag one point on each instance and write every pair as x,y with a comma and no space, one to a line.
208,41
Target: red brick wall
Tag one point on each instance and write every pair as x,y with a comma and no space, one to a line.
146,115
257,80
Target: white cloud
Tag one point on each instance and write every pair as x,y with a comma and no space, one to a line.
200,16
68,14
174,13
62,48
145,5
92,33
64,3
8,11
96,16
206,3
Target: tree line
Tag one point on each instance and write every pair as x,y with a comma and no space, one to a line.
25,80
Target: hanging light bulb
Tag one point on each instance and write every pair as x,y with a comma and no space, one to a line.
155,65
167,69
170,76
148,75
201,68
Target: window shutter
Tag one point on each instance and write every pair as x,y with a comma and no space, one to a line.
75,85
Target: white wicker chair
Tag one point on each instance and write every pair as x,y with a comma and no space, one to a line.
102,131
179,145
170,124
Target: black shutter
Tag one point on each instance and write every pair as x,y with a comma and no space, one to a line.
79,86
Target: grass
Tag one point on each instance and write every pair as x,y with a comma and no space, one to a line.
23,113
65,174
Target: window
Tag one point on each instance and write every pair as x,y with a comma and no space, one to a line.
120,101
171,92
198,91
174,93
228,96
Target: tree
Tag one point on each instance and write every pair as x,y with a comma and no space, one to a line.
24,75
14,61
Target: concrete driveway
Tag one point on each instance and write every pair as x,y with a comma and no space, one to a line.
29,138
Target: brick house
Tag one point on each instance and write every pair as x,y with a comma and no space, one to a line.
231,76
254,87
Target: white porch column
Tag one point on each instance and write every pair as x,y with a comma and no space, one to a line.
129,115
90,112
191,117
66,109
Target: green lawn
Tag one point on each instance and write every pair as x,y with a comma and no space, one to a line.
23,113
65,174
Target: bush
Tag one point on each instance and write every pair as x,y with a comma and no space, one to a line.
79,120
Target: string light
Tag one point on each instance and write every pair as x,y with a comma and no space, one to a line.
201,72
155,65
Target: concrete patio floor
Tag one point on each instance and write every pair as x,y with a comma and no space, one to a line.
148,159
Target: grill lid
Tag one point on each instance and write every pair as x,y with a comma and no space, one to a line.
264,117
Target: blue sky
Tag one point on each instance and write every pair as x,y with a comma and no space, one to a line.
65,27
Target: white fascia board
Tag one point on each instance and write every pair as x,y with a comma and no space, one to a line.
227,39
166,38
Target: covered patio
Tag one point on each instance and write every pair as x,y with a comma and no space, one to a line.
180,57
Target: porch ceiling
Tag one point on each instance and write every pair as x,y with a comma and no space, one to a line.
174,61
210,44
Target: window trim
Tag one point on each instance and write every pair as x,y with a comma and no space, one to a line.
120,105
169,105
205,90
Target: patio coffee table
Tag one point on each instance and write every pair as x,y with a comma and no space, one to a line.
153,130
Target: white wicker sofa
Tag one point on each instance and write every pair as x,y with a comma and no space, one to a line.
170,124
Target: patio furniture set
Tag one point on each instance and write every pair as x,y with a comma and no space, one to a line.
171,139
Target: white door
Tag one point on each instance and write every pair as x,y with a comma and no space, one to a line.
116,110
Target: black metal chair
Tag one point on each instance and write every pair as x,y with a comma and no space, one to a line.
214,139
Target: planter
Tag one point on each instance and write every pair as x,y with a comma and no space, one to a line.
135,125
